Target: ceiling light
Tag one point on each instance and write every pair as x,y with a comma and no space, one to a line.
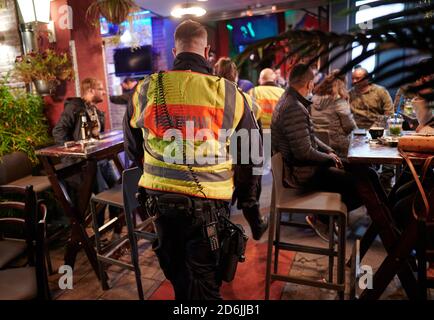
188,10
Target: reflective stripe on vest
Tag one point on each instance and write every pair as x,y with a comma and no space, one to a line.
199,106
266,97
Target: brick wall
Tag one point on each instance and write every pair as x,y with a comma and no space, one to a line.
159,40
10,42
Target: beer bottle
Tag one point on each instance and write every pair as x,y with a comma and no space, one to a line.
84,126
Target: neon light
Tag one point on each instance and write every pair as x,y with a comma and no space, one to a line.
252,33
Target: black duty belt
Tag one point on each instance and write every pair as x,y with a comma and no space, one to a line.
187,204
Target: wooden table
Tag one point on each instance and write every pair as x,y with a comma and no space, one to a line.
86,158
362,154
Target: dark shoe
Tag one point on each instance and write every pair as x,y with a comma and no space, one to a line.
258,232
257,223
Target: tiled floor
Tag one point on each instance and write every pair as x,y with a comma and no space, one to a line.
123,285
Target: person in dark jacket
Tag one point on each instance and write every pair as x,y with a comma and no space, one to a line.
68,128
227,69
128,86
309,163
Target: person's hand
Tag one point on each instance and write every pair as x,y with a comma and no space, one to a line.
337,160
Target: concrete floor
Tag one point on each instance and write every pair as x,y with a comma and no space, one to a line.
123,286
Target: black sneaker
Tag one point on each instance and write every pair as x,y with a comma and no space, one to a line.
258,232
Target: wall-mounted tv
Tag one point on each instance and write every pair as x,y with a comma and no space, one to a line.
133,62
248,30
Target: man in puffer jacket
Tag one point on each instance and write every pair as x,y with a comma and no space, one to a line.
309,163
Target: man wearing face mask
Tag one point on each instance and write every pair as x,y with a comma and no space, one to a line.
309,163
368,101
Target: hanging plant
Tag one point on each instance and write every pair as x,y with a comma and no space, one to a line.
45,69
115,11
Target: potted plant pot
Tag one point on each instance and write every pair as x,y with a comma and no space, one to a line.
44,88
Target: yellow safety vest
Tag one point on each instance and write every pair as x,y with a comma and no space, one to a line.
265,99
194,102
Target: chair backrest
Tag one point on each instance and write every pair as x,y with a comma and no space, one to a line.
130,182
277,168
14,166
33,223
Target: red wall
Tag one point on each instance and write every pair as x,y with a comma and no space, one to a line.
88,44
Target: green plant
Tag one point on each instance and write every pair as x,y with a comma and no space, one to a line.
47,65
23,124
115,11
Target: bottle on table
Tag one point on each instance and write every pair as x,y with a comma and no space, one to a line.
84,126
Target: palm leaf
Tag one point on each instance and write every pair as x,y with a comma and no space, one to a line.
415,32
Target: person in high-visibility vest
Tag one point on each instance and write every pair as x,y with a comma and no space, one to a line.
227,69
266,96
172,129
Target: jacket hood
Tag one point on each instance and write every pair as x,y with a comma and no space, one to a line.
75,101
321,102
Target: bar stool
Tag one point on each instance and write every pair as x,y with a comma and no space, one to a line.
312,203
123,197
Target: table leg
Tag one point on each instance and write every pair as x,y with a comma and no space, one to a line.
376,203
396,262
78,238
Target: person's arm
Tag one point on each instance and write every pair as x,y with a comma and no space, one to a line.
133,136
322,146
345,116
298,134
122,99
387,102
64,128
247,177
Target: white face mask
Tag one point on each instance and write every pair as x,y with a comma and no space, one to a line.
423,112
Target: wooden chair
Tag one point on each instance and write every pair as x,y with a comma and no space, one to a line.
16,169
123,197
30,281
312,203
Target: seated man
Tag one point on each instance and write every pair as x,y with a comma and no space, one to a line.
309,163
69,127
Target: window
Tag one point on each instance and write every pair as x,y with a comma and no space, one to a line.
364,18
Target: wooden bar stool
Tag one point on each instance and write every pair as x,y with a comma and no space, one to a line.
312,203
123,197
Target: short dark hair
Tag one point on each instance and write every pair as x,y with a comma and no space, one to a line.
188,31
129,79
301,74
362,69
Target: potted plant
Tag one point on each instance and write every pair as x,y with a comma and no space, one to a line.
24,125
115,11
45,69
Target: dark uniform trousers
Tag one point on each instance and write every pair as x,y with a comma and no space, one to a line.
183,249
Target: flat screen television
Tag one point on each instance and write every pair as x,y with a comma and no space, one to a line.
251,29
133,62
